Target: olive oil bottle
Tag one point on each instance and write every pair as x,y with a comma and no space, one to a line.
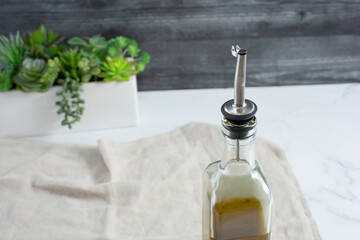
237,200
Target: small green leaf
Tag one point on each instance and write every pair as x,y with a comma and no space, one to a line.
140,66
133,43
37,37
122,41
133,51
78,41
145,57
43,31
98,42
51,37
113,51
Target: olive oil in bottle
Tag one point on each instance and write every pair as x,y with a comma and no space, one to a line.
237,200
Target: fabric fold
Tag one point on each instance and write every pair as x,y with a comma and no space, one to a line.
150,189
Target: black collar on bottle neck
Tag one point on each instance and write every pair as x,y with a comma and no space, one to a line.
239,130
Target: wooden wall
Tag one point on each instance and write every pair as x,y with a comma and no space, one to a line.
288,42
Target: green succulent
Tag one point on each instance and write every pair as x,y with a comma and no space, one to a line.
94,48
5,79
123,46
133,48
128,48
117,69
89,68
70,105
52,70
43,43
37,75
12,51
76,69
35,61
70,60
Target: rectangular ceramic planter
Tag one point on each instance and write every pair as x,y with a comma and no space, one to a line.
107,105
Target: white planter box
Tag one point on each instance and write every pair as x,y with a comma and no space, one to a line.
107,105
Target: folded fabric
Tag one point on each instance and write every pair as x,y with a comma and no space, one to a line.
149,189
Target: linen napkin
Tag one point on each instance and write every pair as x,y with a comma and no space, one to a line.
149,189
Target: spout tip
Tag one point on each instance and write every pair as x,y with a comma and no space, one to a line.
235,51
242,52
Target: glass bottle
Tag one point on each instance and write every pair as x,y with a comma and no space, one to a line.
237,200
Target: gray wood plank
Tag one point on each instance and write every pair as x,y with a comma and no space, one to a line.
289,42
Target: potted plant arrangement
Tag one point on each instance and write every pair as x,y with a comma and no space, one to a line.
88,83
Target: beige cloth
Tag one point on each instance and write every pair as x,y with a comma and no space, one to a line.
144,190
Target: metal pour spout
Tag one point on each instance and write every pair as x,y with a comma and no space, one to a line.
240,76
239,119
239,109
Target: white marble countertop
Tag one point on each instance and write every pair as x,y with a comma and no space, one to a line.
317,126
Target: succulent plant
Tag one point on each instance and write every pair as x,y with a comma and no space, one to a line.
94,48
122,60
128,48
70,60
117,69
51,72
70,105
35,61
89,68
123,46
5,79
43,43
12,51
37,75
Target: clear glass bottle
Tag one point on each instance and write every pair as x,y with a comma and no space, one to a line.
237,200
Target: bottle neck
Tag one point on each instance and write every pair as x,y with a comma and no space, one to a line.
238,150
